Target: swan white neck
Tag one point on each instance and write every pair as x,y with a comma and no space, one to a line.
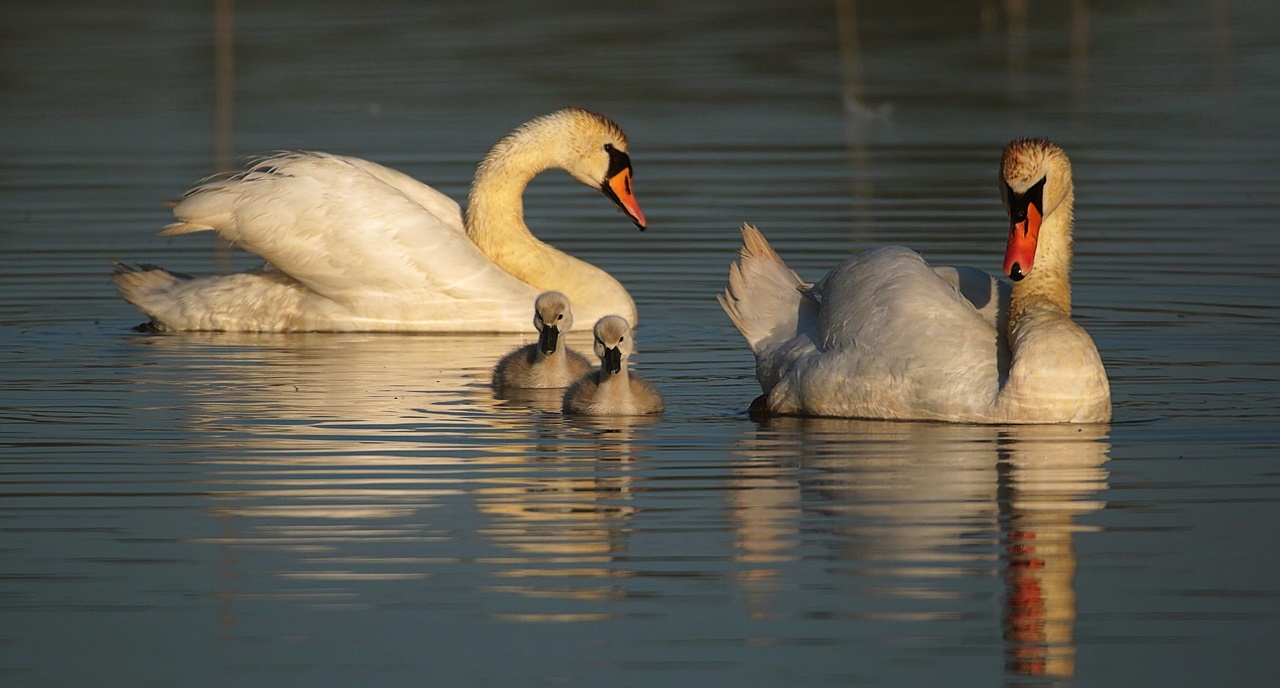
495,208
1054,364
495,221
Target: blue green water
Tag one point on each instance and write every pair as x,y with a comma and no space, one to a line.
360,510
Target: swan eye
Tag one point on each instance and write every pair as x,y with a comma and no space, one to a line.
608,147
560,317
1018,202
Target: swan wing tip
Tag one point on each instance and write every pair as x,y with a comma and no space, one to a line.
763,298
176,228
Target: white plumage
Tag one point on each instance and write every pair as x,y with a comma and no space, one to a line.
884,335
353,245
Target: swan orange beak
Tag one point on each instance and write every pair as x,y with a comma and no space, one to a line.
618,189
1025,214
1020,253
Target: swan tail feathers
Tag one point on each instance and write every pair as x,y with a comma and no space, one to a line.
136,283
764,298
148,287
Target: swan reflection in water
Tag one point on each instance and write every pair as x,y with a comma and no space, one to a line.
339,454
910,506
368,399
564,515
316,442
367,382
381,412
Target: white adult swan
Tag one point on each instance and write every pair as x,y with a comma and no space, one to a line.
883,335
352,245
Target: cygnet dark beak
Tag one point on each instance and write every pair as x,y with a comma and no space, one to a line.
612,361
548,339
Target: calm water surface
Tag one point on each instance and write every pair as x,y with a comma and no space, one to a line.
360,510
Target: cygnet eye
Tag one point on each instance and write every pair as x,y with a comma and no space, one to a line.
608,147
560,317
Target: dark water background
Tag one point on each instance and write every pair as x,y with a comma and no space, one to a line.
359,510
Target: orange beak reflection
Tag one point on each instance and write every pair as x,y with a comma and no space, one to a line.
1020,254
618,188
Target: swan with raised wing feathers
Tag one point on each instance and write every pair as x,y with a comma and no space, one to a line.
351,245
548,363
884,335
613,390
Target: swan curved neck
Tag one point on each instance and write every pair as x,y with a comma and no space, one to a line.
495,206
495,223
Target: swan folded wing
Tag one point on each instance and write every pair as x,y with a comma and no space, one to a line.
340,229
439,205
989,296
780,357
896,339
